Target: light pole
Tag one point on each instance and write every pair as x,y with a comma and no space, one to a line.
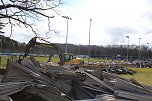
139,49
68,18
1,50
89,40
1,47
139,52
1,44
148,51
127,48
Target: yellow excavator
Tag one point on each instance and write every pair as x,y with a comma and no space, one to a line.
65,58
71,59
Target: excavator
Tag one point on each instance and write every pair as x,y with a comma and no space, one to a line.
65,58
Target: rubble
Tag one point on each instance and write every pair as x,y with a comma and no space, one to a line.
5,98
119,70
143,64
28,81
2,71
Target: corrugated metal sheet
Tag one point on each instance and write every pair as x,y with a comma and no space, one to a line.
12,87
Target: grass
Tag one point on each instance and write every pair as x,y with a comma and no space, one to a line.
55,59
3,60
93,60
45,59
97,60
143,75
41,59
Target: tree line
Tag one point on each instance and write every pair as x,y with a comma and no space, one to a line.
10,45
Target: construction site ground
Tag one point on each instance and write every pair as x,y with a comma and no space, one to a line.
142,75
91,81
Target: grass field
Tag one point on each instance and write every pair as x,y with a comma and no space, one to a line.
45,59
143,75
98,60
3,60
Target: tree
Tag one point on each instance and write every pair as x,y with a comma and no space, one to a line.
26,12
1,27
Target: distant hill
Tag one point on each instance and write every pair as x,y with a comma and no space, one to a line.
10,45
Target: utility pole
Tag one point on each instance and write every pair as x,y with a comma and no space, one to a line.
127,48
89,40
67,18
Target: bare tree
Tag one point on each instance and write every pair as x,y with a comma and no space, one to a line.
27,12
1,27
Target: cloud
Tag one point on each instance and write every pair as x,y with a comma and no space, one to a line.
148,16
149,2
118,34
112,20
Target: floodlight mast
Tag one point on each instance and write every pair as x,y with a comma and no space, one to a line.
127,48
139,56
148,51
89,41
67,18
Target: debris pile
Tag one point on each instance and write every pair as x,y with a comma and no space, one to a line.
119,70
143,64
2,71
27,81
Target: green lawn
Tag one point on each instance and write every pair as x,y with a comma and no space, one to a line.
143,75
41,59
3,60
45,59
93,60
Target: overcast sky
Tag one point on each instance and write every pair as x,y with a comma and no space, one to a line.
112,20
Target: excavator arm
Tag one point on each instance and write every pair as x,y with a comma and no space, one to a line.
33,42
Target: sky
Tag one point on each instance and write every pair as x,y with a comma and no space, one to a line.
112,21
